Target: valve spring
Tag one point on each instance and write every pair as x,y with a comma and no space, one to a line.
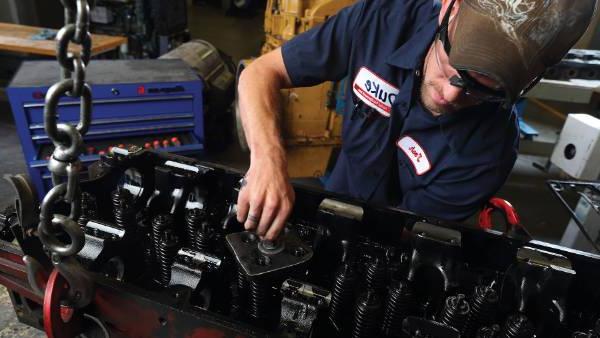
399,305
342,295
488,331
259,300
241,288
84,218
376,275
455,312
124,216
169,245
120,194
517,326
366,315
239,294
122,202
483,306
202,242
242,281
88,209
193,217
159,224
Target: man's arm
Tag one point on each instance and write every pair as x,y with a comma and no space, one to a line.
318,55
268,196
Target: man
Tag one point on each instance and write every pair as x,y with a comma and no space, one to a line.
429,125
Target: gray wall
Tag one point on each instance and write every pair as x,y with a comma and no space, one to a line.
7,11
44,13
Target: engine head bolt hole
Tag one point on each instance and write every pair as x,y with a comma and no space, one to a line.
249,237
299,251
263,260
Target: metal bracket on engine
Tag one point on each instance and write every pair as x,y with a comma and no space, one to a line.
300,306
342,209
258,258
543,279
436,249
437,233
544,259
189,267
97,236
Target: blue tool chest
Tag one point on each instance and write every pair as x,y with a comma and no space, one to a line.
155,104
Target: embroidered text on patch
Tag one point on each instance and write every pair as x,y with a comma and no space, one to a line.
415,153
374,91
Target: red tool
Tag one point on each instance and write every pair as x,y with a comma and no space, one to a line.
60,320
513,223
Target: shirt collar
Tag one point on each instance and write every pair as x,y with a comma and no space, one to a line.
411,53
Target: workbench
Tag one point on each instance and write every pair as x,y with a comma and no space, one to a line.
18,38
584,92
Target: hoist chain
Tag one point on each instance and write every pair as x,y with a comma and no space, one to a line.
64,164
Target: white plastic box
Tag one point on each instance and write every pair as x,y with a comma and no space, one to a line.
577,151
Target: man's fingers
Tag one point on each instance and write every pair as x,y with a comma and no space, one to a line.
242,206
278,223
275,228
253,216
268,214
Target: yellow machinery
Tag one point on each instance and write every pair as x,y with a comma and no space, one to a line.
311,128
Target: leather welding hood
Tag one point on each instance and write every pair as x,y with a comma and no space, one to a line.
514,41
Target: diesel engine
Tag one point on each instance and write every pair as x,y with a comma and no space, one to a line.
168,258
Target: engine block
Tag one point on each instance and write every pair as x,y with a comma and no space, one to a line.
170,260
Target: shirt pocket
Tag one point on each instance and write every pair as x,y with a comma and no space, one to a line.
365,134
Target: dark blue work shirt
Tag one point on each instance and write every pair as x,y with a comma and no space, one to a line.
394,151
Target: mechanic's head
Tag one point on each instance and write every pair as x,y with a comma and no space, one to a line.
494,50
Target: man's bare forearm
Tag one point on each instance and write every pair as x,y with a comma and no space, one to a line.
259,99
266,201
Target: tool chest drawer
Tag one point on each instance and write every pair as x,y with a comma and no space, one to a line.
133,102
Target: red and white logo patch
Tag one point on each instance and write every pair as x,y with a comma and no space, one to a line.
374,91
415,153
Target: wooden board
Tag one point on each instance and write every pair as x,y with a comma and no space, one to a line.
17,38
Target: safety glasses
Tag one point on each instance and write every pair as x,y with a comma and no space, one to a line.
463,80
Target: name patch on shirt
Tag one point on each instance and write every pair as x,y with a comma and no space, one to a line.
415,153
374,91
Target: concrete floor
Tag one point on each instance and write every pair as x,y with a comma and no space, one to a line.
241,37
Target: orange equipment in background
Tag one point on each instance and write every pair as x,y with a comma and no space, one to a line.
311,128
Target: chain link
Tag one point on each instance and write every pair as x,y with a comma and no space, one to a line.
82,21
60,234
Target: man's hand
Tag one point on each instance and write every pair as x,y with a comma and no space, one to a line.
266,200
